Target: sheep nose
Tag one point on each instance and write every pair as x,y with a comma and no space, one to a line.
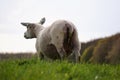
25,35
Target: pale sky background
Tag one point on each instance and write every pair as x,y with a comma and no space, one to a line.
93,19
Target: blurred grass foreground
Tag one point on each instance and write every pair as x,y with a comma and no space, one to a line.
32,69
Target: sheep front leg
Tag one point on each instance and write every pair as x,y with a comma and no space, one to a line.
40,56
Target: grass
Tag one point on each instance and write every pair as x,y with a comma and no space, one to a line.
56,70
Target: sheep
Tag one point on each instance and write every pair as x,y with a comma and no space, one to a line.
57,41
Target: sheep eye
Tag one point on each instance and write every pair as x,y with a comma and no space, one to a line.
30,27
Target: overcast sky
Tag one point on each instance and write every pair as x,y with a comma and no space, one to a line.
93,19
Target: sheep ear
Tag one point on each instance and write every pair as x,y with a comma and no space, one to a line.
25,24
42,21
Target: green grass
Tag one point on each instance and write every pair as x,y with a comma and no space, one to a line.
56,70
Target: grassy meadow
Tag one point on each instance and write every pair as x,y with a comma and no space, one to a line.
100,60
32,69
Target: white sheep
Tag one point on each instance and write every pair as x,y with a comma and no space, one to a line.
57,41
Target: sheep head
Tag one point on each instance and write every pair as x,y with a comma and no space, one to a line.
30,33
33,28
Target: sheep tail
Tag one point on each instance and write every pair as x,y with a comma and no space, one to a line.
67,38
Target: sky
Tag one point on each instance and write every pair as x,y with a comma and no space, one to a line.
92,18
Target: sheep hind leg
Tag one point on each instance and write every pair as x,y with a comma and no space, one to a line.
76,48
57,41
62,53
60,50
76,56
